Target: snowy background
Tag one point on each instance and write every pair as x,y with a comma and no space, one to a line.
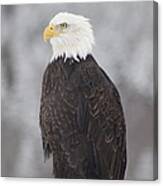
124,48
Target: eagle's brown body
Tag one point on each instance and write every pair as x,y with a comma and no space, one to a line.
82,121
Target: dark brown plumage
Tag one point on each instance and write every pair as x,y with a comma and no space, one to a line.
82,121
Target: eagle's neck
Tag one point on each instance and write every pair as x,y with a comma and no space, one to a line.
75,51
76,45
71,60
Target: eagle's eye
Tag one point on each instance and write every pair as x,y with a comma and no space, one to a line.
63,25
51,28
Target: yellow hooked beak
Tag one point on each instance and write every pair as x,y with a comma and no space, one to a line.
49,32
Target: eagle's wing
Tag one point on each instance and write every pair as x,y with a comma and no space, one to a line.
106,126
45,112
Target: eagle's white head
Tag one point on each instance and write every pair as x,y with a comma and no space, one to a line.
70,35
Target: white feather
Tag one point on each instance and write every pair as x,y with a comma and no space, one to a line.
77,39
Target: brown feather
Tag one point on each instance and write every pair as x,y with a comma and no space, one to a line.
82,121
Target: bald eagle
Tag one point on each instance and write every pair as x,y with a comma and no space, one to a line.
81,116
